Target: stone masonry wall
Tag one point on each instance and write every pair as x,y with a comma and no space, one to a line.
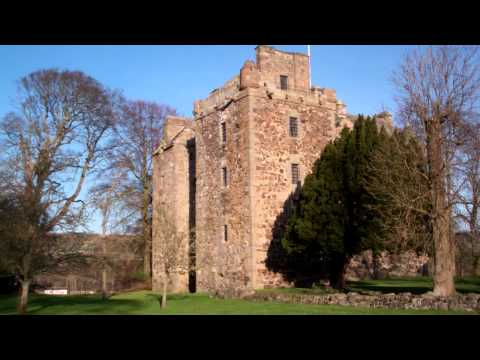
320,118
275,151
171,190
258,155
224,263
376,300
273,63
408,264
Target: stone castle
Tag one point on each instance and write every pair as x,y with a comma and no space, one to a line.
223,178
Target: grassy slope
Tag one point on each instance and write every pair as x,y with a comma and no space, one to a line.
145,302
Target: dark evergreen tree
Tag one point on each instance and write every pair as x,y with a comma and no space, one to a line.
334,217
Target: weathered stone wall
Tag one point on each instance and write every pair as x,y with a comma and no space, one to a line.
273,63
364,266
320,118
171,196
223,263
371,299
258,155
275,152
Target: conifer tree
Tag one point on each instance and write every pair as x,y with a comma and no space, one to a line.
334,218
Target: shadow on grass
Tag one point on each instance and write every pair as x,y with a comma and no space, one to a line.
92,304
386,289
8,303
416,286
170,297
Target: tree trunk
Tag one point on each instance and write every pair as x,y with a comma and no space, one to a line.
476,266
104,271
473,239
339,269
376,265
164,292
147,235
444,259
23,300
104,284
444,255
147,268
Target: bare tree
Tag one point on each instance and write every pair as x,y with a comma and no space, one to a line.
438,90
102,198
50,145
174,254
136,136
398,180
468,209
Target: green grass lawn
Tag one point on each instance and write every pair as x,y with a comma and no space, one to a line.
144,302
417,285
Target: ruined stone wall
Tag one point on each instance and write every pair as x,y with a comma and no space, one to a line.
377,300
171,196
407,264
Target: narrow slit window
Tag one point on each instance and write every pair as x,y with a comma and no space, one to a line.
224,176
295,174
293,127
224,133
225,232
283,82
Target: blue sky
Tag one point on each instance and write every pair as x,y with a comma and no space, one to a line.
177,75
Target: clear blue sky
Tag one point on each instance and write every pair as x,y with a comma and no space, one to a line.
177,75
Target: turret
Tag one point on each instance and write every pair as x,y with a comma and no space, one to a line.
249,76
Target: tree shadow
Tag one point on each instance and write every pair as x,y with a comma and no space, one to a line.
192,275
417,286
93,304
300,270
358,286
8,284
176,297
8,303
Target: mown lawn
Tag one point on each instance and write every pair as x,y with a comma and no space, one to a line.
417,285
146,303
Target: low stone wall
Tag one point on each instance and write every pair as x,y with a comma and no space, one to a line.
371,299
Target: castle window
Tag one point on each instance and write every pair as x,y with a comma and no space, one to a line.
283,82
295,174
225,232
224,132
225,179
293,127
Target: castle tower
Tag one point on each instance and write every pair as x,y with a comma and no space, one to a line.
173,200
231,173
256,138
